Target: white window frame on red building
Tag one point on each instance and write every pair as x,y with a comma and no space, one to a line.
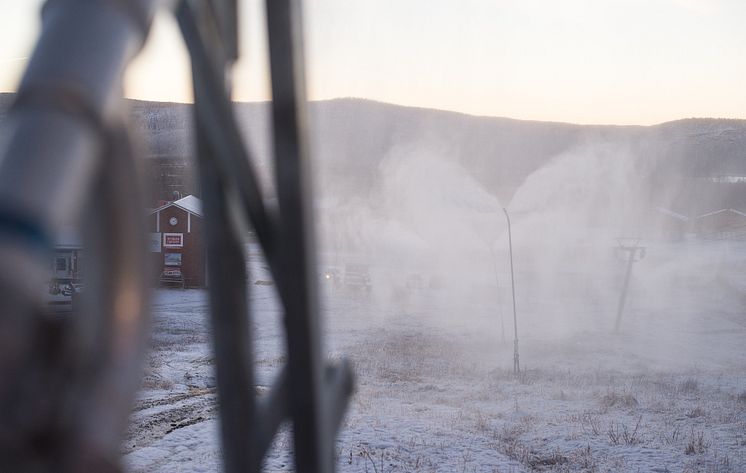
178,236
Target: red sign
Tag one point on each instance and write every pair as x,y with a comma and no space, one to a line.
173,240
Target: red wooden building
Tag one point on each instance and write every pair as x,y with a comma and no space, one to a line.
723,224
177,242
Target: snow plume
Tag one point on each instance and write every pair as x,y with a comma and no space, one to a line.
424,230
567,217
436,244
437,198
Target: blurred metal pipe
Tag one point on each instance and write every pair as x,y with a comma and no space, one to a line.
232,342
69,95
226,15
66,120
339,385
314,397
108,340
313,448
272,409
231,332
231,156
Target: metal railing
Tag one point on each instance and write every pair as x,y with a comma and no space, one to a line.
68,158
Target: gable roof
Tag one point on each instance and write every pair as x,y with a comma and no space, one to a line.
189,204
710,214
68,238
671,213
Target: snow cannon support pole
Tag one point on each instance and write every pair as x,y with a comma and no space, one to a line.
497,292
516,363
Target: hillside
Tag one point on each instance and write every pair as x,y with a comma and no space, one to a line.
352,137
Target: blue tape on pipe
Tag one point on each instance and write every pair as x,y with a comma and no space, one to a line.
16,225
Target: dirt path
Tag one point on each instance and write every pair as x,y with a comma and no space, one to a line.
154,418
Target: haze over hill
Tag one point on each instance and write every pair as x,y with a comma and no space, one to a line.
415,196
351,137
411,200
676,162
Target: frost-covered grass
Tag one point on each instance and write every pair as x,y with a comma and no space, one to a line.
581,418
436,392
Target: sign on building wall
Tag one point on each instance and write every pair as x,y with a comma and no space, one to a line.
155,243
173,240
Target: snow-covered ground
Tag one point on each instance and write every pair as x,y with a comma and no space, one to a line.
435,389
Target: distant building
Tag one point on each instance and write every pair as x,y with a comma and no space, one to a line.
67,258
177,243
666,223
723,224
66,271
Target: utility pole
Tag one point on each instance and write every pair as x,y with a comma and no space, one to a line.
633,249
516,364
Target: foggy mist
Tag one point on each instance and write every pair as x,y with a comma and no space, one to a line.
415,284
426,216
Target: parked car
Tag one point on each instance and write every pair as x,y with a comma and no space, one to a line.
356,277
61,295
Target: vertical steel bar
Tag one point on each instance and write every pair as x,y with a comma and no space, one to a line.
228,312
226,14
232,343
312,442
230,154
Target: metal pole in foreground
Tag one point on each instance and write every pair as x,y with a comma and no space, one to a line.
516,364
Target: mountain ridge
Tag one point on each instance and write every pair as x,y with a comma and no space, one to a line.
351,138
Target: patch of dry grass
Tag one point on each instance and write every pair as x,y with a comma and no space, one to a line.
614,399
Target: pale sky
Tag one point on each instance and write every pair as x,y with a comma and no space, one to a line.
582,61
